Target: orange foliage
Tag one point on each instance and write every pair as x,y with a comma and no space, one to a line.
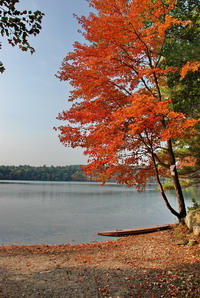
119,114
188,161
189,66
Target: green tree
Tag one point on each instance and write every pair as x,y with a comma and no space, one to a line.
180,47
16,26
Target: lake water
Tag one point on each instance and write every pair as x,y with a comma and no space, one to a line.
70,212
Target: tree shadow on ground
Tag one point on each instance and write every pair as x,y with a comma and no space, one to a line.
90,281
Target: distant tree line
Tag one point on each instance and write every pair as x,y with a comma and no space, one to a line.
43,173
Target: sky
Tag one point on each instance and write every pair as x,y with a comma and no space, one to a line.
31,96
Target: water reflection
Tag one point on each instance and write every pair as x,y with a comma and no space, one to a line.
36,212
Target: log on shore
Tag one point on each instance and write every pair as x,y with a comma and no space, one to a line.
136,231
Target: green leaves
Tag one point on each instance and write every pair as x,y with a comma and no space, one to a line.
17,25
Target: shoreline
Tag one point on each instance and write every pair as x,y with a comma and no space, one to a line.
109,235
147,265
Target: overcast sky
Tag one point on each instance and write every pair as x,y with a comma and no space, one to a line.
31,96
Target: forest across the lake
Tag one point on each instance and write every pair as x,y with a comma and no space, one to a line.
43,173
46,173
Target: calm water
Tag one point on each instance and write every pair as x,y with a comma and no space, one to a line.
69,212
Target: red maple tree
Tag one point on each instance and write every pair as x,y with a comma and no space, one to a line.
120,112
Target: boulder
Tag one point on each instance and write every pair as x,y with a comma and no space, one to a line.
192,221
196,230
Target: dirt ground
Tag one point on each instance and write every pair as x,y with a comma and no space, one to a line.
161,264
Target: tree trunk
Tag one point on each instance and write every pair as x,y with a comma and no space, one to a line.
177,186
171,209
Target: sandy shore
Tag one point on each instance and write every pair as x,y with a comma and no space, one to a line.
160,264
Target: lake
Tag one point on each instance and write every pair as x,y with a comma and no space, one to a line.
73,212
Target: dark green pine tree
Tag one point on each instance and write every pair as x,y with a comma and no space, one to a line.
182,45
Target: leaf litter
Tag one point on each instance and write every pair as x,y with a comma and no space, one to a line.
150,265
